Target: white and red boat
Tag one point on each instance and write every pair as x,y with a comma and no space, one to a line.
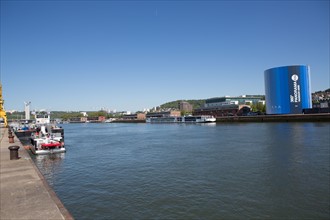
45,143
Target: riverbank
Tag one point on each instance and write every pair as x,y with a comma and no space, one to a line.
261,118
278,118
25,194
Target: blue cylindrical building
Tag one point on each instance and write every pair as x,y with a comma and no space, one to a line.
287,89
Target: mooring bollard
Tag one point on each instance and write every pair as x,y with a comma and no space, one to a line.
11,139
13,152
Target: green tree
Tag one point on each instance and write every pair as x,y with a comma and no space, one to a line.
258,107
97,114
183,113
16,116
175,104
69,115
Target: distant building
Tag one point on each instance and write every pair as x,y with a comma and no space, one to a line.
124,113
96,119
318,107
163,114
321,96
185,106
229,106
224,110
137,116
77,119
101,118
227,100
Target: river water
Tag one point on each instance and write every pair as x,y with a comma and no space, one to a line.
193,171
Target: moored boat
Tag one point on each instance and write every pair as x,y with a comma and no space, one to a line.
48,138
182,119
45,143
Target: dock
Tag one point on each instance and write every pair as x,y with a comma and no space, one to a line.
25,194
322,117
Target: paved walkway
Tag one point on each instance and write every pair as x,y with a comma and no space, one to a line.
25,193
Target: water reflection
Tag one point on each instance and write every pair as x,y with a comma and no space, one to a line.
49,165
211,124
294,160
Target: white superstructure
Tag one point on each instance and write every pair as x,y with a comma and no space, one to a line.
183,119
42,118
44,142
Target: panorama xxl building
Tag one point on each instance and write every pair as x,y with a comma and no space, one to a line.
288,89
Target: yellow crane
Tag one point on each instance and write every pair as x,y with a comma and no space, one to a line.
2,109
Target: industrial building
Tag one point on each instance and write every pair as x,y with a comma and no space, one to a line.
229,106
163,114
240,100
287,89
137,116
225,110
185,106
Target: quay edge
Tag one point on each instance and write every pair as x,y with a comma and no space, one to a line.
25,194
320,117
325,117
129,121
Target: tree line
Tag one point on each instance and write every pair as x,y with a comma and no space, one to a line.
62,115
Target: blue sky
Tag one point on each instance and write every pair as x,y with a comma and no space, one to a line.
131,55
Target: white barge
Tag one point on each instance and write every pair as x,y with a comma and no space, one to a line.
182,119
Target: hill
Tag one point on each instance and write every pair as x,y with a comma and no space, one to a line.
175,104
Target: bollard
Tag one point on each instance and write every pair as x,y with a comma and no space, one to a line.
11,139
13,152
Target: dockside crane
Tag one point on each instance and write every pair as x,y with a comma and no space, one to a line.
2,109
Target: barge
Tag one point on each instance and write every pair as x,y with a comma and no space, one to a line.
182,119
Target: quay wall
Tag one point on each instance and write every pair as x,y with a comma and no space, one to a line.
278,118
25,194
128,121
321,117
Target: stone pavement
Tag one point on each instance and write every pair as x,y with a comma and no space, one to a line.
25,194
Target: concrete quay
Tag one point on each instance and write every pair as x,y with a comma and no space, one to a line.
322,117
24,193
